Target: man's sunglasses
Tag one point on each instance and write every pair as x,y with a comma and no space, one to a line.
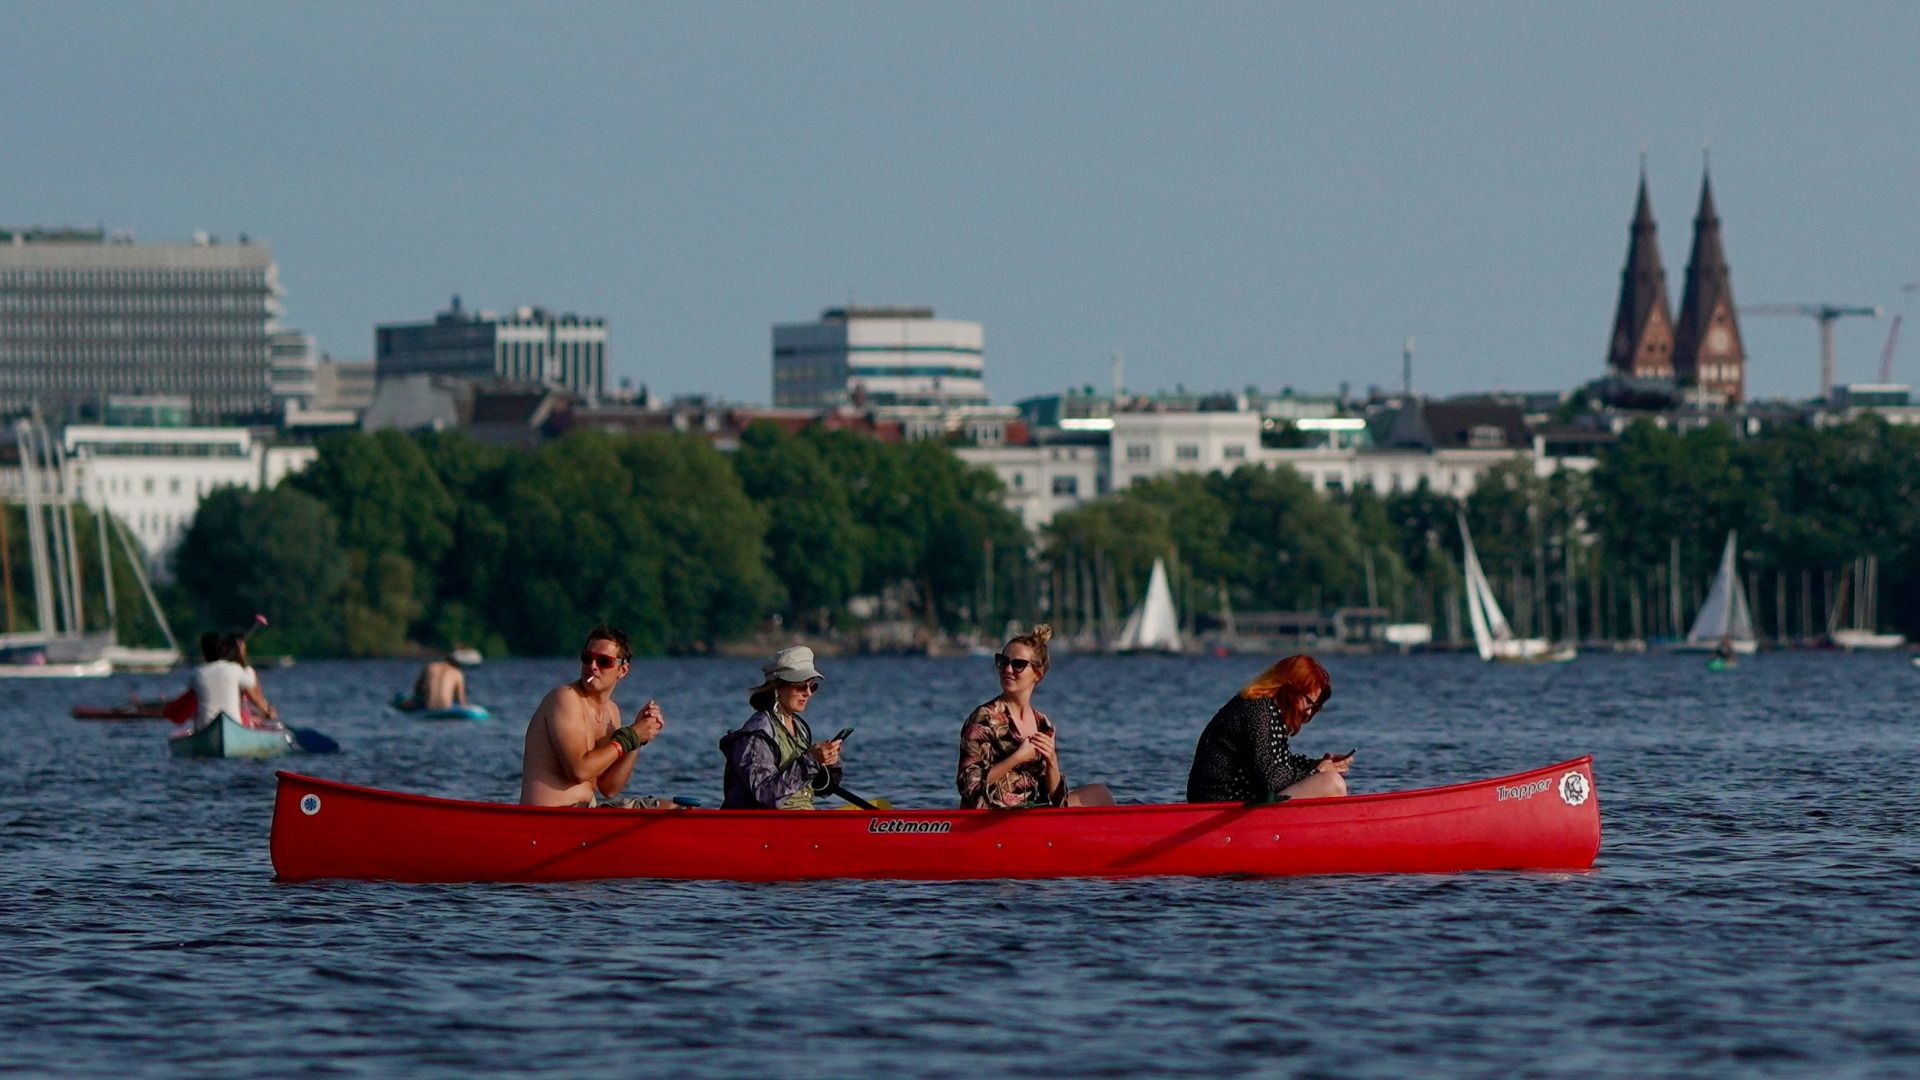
600,661
1014,664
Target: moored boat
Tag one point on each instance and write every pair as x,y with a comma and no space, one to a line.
229,738
1544,819
99,667
132,710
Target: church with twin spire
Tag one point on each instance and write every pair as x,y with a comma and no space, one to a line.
1702,350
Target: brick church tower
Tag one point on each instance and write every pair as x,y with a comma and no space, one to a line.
1642,322
1707,351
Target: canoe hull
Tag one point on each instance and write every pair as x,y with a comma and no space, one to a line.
227,738
1546,819
408,704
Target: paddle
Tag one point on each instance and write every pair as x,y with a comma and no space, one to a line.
877,804
306,739
312,741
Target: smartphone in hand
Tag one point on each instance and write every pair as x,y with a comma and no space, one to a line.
1348,754
844,732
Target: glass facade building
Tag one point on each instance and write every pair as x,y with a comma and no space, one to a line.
879,357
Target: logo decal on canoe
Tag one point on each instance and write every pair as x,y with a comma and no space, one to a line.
1522,791
309,804
876,825
1574,789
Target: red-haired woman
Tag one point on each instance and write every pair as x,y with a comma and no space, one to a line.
1243,755
1008,760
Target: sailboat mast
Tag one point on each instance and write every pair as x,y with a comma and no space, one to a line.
36,537
75,591
1673,585
106,568
146,587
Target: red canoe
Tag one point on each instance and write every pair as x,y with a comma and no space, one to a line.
1546,819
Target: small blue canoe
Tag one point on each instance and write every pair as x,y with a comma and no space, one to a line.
228,738
407,703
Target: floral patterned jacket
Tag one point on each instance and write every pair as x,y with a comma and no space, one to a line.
988,738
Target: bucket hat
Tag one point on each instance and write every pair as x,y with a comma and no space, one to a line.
793,664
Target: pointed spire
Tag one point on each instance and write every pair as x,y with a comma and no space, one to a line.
1642,343
1707,351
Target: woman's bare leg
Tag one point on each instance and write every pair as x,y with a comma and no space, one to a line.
1319,785
1090,795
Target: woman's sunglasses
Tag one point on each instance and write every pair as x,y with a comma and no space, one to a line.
600,661
1014,664
811,686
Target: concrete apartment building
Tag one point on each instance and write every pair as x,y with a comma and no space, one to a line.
85,316
531,346
879,357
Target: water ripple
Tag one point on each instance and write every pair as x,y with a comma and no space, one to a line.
1751,914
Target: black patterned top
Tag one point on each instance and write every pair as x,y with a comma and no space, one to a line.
1243,754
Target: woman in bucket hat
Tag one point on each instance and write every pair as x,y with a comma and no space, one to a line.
772,761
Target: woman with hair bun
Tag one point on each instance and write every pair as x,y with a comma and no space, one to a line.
1008,759
1244,755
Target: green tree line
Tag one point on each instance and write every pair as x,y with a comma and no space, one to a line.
390,542
1627,550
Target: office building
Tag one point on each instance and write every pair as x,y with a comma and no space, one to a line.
84,316
531,346
878,357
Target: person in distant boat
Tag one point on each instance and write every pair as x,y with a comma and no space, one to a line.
577,752
773,762
1244,754
441,684
181,710
1723,652
1009,759
221,685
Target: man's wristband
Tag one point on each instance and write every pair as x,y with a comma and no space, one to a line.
627,739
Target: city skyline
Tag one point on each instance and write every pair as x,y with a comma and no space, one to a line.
1225,196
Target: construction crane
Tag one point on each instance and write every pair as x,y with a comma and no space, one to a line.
1827,314
1893,335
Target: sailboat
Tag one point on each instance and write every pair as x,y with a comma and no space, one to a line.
1864,577
1154,626
1724,616
1493,638
63,647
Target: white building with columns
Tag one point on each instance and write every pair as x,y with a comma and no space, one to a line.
153,478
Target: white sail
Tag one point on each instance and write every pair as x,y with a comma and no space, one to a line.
1154,625
1724,616
1477,596
1493,637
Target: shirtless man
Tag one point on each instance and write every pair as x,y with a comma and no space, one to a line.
441,685
576,747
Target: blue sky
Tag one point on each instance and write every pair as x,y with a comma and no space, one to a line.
1268,194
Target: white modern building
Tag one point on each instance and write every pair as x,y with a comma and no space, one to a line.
531,346
879,357
153,478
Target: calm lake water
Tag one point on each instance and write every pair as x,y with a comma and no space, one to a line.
1755,911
